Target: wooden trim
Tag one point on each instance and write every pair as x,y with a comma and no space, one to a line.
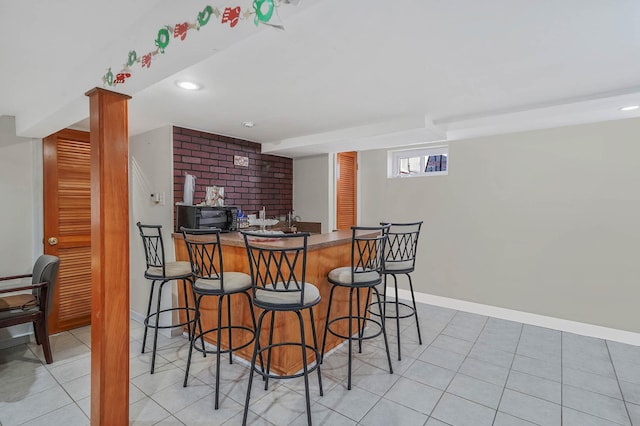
50,191
66,198
109,258
346,190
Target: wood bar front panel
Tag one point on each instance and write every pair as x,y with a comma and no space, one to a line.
285,360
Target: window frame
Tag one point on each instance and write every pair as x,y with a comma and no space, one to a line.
395,156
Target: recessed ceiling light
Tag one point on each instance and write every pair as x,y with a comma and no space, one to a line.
248,124
629,107
188,85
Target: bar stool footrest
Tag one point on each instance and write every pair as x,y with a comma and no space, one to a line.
392,302
193,320
310,366
355,318
199,336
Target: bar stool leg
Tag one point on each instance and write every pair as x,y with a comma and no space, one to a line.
326,328
192,342
255,330
364,317
395,285
146,328
350,334
315,347
155,332
219,349
384,334
383,309
360,322
197,320
273,319
415,309
186,304
229,329
252,367
304,366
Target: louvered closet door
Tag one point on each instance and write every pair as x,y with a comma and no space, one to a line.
67,225
346,190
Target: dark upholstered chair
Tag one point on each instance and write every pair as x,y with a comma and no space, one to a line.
211,280
365,273
162,272
31,307
278,276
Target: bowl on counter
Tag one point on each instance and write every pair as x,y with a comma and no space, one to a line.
262,222
265,234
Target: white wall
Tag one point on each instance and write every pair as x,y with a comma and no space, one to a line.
151,172
17,192
20,217
546,222
313,189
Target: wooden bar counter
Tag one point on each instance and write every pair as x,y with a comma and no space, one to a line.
324,253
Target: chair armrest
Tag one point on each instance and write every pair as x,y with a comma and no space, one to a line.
21,288
15,277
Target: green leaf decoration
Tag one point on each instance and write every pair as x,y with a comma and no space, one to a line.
163,39
264,10
108,77
132,57
204,16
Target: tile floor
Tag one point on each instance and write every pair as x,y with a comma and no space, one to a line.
470,370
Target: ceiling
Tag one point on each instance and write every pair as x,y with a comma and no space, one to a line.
341,75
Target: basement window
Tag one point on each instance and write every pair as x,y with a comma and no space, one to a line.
432,161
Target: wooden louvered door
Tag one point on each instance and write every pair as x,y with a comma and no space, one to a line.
346,190
67,225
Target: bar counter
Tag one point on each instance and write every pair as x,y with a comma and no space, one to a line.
324,253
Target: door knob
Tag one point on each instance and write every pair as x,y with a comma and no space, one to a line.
52,241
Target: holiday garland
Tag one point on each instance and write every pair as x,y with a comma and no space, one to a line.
262,10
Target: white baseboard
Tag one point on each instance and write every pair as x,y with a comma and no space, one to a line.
137,317
15,341
15,335
584,329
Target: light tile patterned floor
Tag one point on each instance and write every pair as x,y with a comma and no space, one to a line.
470,370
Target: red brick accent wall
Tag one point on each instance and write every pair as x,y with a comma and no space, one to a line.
267,181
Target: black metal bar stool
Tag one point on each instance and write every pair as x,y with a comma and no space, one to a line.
278,275
162,272
211,280
400,259
367,257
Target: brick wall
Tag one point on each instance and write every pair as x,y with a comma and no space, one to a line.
267,181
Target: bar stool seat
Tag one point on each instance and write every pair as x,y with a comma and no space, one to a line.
174,271
233,282
343,276
282,298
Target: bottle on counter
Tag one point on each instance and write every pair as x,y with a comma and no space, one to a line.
243,221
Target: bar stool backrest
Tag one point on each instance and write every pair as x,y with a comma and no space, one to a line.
402,245
205,253
153,246
367,252
279,265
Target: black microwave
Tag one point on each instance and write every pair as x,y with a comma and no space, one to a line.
203,217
